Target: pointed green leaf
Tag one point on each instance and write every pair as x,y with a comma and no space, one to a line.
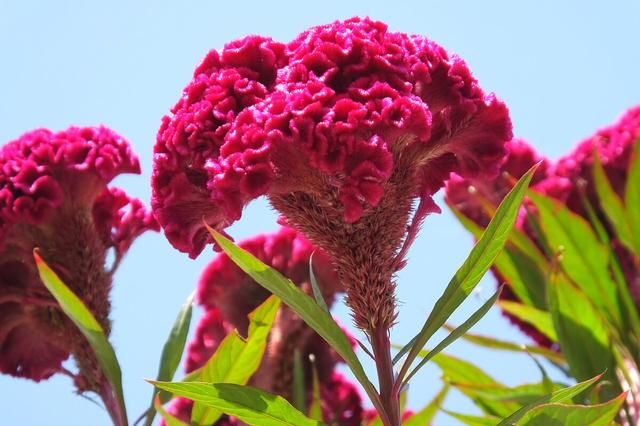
493,343
315,409
306,307
82,317
582,333
457,333
632,196
168,418
574,415
172,351
426,414
250,405
584,258
541,320
557,396
469,379
612,205
236,358
298,391
468,420
474,267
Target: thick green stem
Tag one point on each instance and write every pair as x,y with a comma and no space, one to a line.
388,394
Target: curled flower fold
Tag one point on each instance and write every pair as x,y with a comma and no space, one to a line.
228,295
54,195
343,129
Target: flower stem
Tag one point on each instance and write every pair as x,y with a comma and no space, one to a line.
384,365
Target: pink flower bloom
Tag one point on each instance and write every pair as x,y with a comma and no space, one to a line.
54,195
343,128
229,295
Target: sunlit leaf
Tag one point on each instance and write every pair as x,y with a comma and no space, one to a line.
172,351
574,415
632,196
236,359
457,333
582,333
473,269
168,418
250,405
493,343
557,396
541,320
612,205
584,258
469,420
76,310
306,307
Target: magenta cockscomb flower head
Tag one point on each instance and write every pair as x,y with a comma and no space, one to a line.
228,295
54,195
343,129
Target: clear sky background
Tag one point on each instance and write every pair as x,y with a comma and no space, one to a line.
564,68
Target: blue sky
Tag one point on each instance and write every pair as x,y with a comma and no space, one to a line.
564,69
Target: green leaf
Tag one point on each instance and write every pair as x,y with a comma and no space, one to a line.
250,405
236,358
315,409
582,333
493,343
474,267
168,418
612,205
298,391
426,414
584,258
470,380
632,196
457,333
317,294
574,415
541,320
520,264
172,351
473,420
557,396
82,317
306,307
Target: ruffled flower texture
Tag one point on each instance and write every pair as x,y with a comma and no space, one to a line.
343,129
54,195
228,295
569,180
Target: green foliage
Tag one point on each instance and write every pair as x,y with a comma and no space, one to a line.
236,358
306,307
82,317
472,270
172,352
573,415
250,405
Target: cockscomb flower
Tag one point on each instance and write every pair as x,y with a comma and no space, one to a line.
228,295
343,129
54,195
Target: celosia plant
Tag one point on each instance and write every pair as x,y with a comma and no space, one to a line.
54,196
576,248
343,129
349,130
228,295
